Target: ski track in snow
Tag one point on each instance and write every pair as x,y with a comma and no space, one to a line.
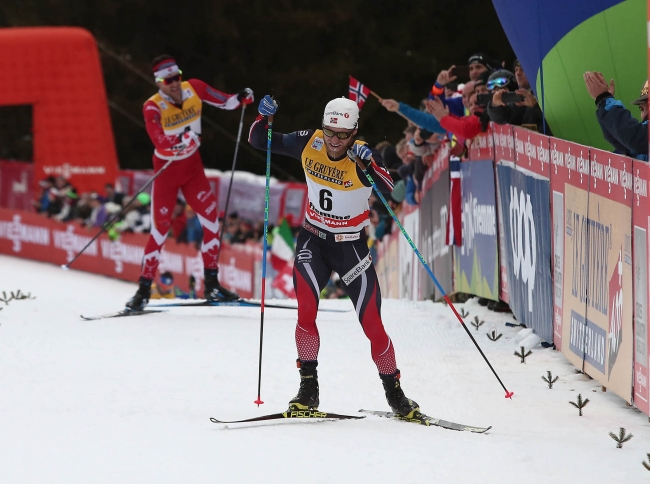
128,400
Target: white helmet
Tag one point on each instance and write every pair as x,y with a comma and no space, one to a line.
341,113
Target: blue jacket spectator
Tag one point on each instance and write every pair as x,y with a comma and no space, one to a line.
628,136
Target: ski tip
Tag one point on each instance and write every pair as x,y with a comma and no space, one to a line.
509,394
214,420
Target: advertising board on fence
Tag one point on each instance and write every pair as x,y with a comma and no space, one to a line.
641,222
434,212
604,337
569,185
532,152
504,152
527,234
35,237
476,262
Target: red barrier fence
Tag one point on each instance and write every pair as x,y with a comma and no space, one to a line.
34,237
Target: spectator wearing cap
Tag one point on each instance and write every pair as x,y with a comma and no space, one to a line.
478,64
526,113
625,133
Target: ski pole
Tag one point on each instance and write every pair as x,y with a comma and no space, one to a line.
108,224
265,244
232,175
426,266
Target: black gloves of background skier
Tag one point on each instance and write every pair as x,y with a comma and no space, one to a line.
246,96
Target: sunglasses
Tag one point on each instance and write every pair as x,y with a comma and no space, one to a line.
168,80
330,133
498,82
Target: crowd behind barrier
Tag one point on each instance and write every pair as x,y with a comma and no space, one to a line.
557,230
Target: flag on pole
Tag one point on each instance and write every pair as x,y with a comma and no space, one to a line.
282,249
358,92
282,252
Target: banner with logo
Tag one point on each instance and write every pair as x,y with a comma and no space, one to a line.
434,211
482,146
569,198
476,263
527,236
531,151
17,185
607,335
504,153
34,237
641,222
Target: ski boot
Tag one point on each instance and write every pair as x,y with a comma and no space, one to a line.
141,297
307,398
214,291
395,396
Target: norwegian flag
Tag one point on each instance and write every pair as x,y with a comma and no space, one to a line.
358,92
454,234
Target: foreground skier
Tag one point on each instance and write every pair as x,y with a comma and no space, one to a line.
333,238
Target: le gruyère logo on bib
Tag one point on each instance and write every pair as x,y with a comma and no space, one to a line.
317,144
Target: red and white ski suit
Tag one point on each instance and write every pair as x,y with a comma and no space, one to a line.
165,122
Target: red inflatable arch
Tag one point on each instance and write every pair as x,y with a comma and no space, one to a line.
57,70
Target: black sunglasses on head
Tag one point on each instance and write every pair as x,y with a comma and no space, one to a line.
340,135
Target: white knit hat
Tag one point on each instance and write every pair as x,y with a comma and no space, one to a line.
341,113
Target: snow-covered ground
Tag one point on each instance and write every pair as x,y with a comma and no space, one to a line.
128,400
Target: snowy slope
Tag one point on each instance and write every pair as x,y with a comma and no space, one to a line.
128,400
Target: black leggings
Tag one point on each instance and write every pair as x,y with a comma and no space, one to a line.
317,255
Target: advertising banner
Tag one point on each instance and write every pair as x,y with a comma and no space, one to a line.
482,146
34,237
607,334
434,212
570,168
504,153
527,236
476,262
409,287
17,185
641,222
531,150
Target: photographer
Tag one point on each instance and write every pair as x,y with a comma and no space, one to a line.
510,105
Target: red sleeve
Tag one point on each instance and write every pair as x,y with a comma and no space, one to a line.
466,127
213,96
155,129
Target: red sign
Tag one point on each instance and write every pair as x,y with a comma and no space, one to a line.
532,151
16,185
504,142
640,251
482,147
35,237
611,176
